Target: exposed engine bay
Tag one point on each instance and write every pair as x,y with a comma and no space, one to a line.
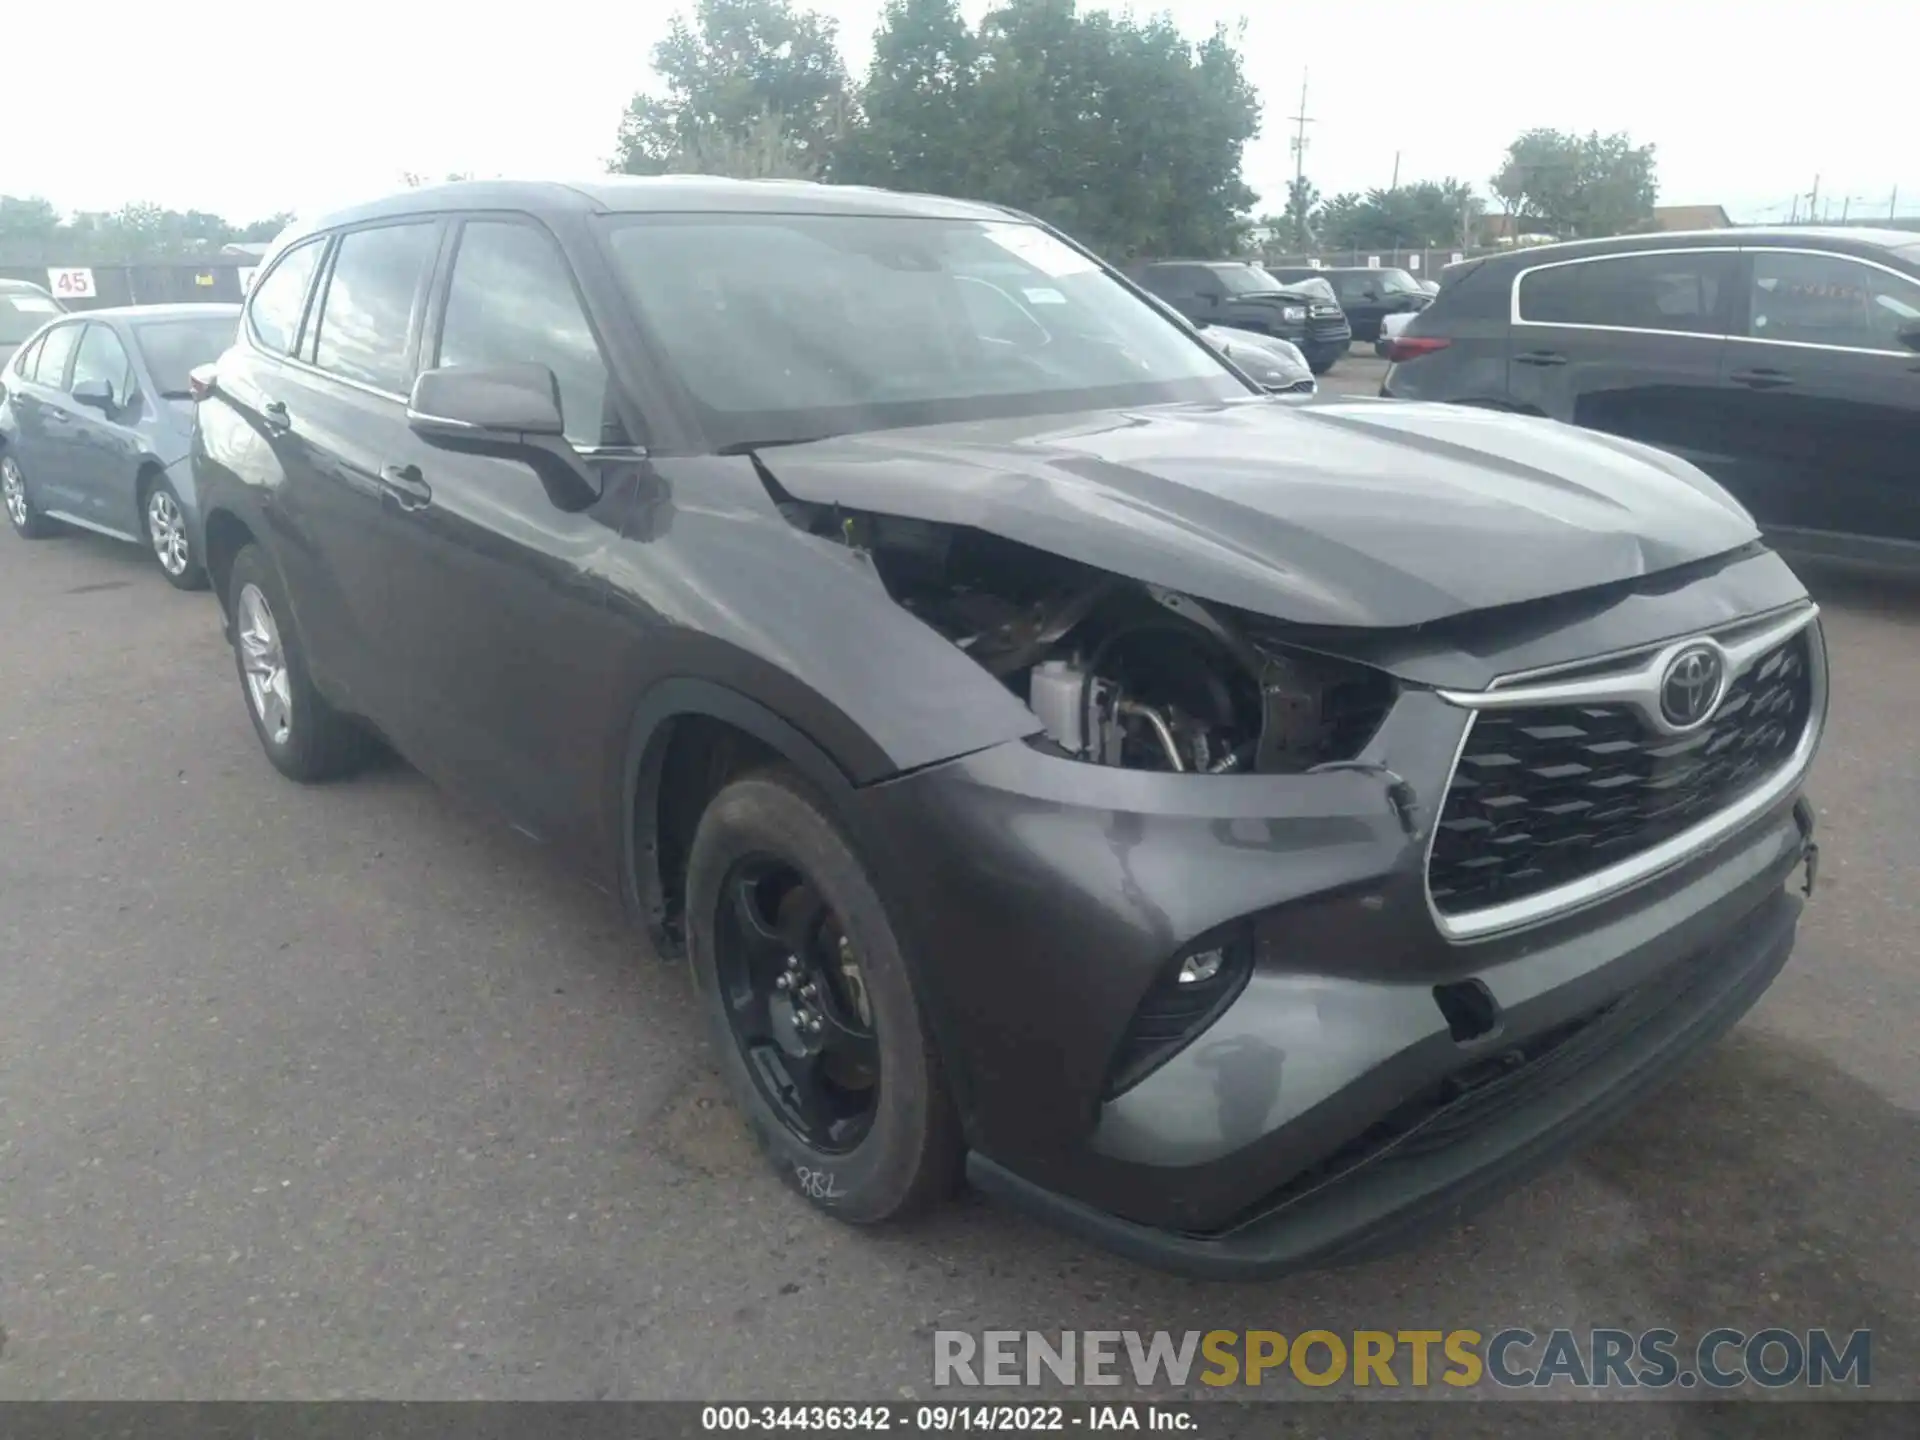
1118,672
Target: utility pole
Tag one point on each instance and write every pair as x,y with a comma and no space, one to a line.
1300,123
1813,202
1396,171
1893,204
1845,206
1793,215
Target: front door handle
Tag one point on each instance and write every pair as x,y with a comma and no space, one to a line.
1540,357
274,412
1761,379
407,485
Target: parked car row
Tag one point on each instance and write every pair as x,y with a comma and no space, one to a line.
1784,363
1241,831
96,415
1245,297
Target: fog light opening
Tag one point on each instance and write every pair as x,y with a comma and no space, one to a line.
1201,966
1469,1009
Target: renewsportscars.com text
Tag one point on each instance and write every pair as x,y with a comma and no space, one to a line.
1512,1358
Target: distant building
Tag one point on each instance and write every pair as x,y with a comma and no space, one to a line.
1691,217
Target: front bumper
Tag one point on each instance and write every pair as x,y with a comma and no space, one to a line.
1039,899
1434,1172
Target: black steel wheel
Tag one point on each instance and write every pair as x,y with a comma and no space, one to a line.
817,1026
796,1004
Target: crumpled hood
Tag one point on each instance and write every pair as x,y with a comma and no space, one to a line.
1358,513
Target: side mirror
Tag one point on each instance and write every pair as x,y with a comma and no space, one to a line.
472,405
1909,334
510,412
95,395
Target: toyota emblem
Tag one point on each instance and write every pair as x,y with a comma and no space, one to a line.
1690,689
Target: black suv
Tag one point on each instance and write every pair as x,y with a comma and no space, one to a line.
1785,363
1239,830
1245,297
1367,294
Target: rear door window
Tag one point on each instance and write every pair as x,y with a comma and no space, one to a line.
1812,299
23,362
1682,292
366,316
279,300
55,351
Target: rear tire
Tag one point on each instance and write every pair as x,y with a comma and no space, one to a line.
165,519
28,523
305,738
890,1150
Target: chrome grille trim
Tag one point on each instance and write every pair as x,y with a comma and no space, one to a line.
1634,681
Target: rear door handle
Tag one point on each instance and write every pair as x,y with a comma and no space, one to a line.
1761,379
275,414
1540,357
407,485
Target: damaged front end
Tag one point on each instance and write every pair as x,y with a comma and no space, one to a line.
1117,671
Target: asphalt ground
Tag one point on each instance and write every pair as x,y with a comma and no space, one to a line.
345,1092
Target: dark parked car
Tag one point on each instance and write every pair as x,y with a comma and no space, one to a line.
1276,365
1785,363
1236,830
1367,294
24,308
96,414
1234,293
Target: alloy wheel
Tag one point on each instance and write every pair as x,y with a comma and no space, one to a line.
264,662
13,488
167,528
797,1004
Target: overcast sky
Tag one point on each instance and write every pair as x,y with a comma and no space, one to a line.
249,110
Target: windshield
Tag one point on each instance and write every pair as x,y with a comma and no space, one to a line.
21,313
1399,282
790,327
1246,280
172,348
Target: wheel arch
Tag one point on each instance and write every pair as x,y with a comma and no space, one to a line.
227,534
687,739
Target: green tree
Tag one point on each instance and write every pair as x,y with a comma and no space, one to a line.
1302,201
1420,216
33,233
1122,132
920,87
743,83
1573,185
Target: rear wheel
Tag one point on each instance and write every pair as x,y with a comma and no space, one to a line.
815,1021
27,522
305,738
167,535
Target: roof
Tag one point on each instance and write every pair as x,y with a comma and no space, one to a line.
1691,217
23,287
141,314
657,194
1868,243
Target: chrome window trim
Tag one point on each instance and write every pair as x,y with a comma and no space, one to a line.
1630,685
1514,317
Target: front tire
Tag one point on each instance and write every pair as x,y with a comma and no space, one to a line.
305,738
28,523
167,537
815,1021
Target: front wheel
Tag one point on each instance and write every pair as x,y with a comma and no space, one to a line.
28,523
815,1021
167,535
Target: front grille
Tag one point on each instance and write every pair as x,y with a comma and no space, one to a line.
1334,328
1543,797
